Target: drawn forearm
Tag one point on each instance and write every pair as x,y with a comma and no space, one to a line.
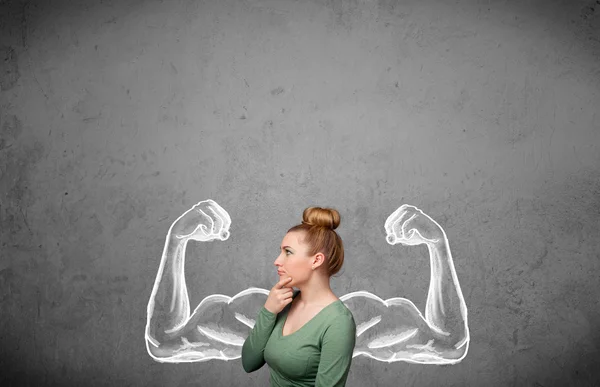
446,309
168,308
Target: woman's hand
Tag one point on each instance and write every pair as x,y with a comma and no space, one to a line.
205,221
279,296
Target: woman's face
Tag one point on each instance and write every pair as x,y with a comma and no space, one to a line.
293,261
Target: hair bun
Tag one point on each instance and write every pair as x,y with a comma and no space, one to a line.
321,217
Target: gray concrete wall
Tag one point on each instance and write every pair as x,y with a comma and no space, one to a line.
117,116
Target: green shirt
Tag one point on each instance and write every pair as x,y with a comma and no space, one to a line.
318,354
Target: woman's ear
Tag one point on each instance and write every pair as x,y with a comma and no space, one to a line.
318,260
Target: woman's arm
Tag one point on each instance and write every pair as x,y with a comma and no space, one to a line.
254,346
253,349
336,353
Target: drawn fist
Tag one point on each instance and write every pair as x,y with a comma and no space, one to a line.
205,221
410,226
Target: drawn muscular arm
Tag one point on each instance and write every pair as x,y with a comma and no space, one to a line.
219,325
394,329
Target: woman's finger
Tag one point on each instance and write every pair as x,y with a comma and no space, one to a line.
282,282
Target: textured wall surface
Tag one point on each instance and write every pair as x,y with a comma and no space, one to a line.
115,117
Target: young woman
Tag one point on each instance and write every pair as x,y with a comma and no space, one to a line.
307,336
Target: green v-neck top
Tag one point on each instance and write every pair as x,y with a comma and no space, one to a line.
317,354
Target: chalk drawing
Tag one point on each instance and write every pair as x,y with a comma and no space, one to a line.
387,330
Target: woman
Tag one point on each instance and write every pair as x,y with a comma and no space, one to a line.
307,336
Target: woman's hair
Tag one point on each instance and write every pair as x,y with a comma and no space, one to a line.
319,225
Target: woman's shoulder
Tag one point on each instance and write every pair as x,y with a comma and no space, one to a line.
339,311
343,309
341,320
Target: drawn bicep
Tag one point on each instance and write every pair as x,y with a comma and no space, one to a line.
216,329
394,329
246,305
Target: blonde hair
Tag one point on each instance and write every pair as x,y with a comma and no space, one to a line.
318,225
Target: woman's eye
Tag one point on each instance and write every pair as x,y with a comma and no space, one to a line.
287,251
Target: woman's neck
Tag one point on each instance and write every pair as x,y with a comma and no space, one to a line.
316,292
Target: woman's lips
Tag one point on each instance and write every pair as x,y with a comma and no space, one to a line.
280,273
